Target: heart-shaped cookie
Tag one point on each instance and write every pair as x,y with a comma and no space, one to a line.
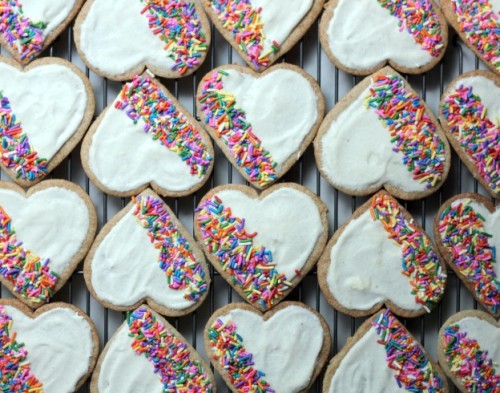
44,233
381,256
263,245
262,31
281,351
146,354
262,122
28,27
45,109
119,39
383,356
467,233
469,351
382,134
362,36
144,253
52,350
477,23
470,113
146,136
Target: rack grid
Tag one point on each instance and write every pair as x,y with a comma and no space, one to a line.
334,83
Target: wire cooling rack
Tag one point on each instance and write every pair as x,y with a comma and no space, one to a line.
335,84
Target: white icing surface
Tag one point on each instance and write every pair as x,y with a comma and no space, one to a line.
49,101
495,4
487,91
123,371
123,157
487,336
364,369
52,12
52,223
362,34
59,345
281,107
365,268
126,268
357,152
279,221
289,332
115,38
280,17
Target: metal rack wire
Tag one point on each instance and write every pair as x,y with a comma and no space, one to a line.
334,83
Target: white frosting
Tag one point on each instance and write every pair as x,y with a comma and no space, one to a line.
281,107
52,12
123,157
364,369
59,345
495,4
285,347
280,18
486,335
126,268
279,221
115,38
49,101
487,91
365,267
123,370
357,152
362,34
52,223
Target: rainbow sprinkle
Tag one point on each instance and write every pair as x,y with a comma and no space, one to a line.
244,22
420,263
15,373
468,362
229,123
412,131
249,265
176,24
462,232
30,275
412,368
20,33
142,100
420,20
478,135
176,257
479,22
170,356
229,350
16,151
